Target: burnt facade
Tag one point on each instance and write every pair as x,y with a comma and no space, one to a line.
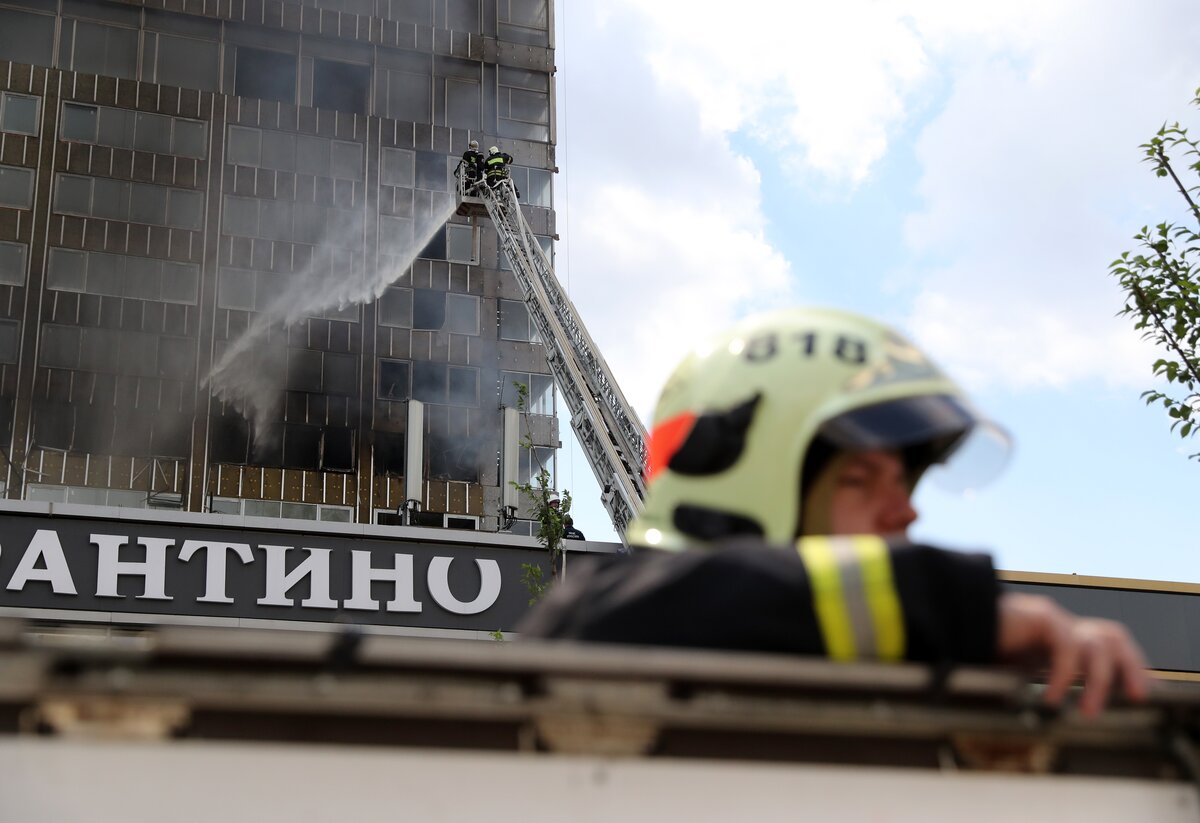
172,174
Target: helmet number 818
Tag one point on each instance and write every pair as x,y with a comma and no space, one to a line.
764,347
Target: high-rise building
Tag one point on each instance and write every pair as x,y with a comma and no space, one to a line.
241,183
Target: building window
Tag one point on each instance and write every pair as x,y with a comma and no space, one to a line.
462,244
534,460
27,38
12,264
395,235
433,171
389,453
19,113
317,156
9,341
523,104
462,103
406,94
429,309
462,314
397,168
82,495
95,48
279,508
393,380
117,275
523,21
456,458
396,308
340,86
183,61
267,75
463,386
534,186
134,202
16,187
515,322
539,387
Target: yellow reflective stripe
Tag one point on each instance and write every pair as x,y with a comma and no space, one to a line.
887,615
829,602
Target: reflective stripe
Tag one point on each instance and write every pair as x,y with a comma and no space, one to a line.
854,597
883,601
828,600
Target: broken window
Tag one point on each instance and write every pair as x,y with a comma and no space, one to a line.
453,457
435,249
229,438
53,425
337,449
267,75
389,453
304,370
340,374
301,447
340,86
393,380
464,386
429,381
429,309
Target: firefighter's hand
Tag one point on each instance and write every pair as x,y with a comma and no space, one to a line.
1034,629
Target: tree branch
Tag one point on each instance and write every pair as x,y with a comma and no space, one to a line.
1165,162
1145,305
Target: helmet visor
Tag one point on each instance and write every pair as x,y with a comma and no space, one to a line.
962,450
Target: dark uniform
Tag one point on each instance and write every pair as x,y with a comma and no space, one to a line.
572,533
843,598
496,167
472,165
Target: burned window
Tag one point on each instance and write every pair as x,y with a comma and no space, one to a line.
53,425
429,309
229,438
340,86
171,435
393,380
453,457
340,374
337,449
463,386
429,381
304,370
94,429
389,453
301,447
267,75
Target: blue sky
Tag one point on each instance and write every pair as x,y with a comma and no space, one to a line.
965,173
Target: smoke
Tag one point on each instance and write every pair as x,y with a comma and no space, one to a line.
250,374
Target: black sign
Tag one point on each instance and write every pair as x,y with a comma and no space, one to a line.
185,569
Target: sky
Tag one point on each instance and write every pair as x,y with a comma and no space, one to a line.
963,171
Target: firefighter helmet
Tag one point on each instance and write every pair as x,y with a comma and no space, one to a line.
494,150
474,145
739,416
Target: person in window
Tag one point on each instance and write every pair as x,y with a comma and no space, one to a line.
496,167
782,462
471,167
569,530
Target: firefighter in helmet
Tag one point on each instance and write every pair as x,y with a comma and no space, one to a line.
496,166
782,460
471,167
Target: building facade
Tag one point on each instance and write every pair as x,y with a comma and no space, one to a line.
243,184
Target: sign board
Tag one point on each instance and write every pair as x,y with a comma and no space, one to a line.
189,568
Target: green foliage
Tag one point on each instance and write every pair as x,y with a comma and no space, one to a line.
497,635
1161,281
549,510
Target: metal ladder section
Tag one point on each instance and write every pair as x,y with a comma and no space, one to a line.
609,431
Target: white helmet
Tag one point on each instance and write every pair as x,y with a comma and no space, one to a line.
494,150
474,144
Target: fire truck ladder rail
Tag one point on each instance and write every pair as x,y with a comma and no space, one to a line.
605,425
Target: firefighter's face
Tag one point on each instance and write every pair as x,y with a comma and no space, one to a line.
870,495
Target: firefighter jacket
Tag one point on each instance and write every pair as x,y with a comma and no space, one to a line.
497,164
847,598
473,162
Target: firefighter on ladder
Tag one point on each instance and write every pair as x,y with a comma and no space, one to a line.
783,458
496,167
471,166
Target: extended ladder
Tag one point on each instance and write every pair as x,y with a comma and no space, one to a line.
606,427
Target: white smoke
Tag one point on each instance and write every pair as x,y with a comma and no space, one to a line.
249,373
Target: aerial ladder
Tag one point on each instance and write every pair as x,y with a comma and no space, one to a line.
605,425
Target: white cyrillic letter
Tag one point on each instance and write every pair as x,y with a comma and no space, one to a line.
153,569
400,576
280,582
439,586
214,555
45,547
